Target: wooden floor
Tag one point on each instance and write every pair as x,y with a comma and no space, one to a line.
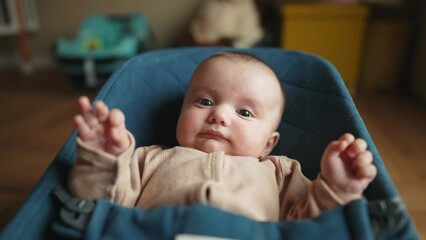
36,115
36,119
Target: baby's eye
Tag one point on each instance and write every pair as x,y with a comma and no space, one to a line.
245,113
205,102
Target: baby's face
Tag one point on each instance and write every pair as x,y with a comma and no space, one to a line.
231,106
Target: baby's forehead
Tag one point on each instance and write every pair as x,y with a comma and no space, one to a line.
257,72
231,62
260,64
223,61
220,65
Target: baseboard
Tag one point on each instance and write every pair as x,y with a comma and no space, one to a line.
37,62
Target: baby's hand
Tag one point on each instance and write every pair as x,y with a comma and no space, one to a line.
347,167
101,128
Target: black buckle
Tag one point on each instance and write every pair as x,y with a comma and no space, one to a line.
387,216
75,212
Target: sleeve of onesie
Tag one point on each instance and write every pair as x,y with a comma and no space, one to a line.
299,197
97,174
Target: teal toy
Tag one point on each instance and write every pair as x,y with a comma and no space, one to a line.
101,46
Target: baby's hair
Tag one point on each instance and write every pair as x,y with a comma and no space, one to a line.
249,57
244,55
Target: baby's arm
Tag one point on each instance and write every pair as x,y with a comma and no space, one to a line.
104,167
101,128
347,167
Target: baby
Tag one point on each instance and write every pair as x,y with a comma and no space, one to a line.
226,131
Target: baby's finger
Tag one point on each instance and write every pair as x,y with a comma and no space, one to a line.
347,137
334,149
101,111
119,137
82,127
344,141
368,172
116,118
78,121
358,146
363,159
118,129
84,104
87,111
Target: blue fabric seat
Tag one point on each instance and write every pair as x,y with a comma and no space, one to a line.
149,89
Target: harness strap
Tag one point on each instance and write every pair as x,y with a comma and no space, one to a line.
387,215
75,212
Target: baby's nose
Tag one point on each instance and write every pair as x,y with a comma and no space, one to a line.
221,115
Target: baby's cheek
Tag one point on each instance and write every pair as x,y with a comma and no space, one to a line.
180,135
247,148
185,135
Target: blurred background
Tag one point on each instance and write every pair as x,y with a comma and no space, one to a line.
51,52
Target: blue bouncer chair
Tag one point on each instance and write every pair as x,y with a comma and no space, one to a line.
101,45
149,89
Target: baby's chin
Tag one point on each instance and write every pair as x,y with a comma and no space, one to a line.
211,146
208,149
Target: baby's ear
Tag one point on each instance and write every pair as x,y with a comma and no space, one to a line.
272,142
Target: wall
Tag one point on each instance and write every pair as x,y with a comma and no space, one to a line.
62,18
418,71
386,50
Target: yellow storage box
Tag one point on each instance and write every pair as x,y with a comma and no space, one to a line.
334,32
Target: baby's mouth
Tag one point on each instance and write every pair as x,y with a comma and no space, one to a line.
212,134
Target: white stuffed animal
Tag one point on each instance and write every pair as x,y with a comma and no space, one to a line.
237,20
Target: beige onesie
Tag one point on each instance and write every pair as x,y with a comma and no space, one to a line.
268,189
